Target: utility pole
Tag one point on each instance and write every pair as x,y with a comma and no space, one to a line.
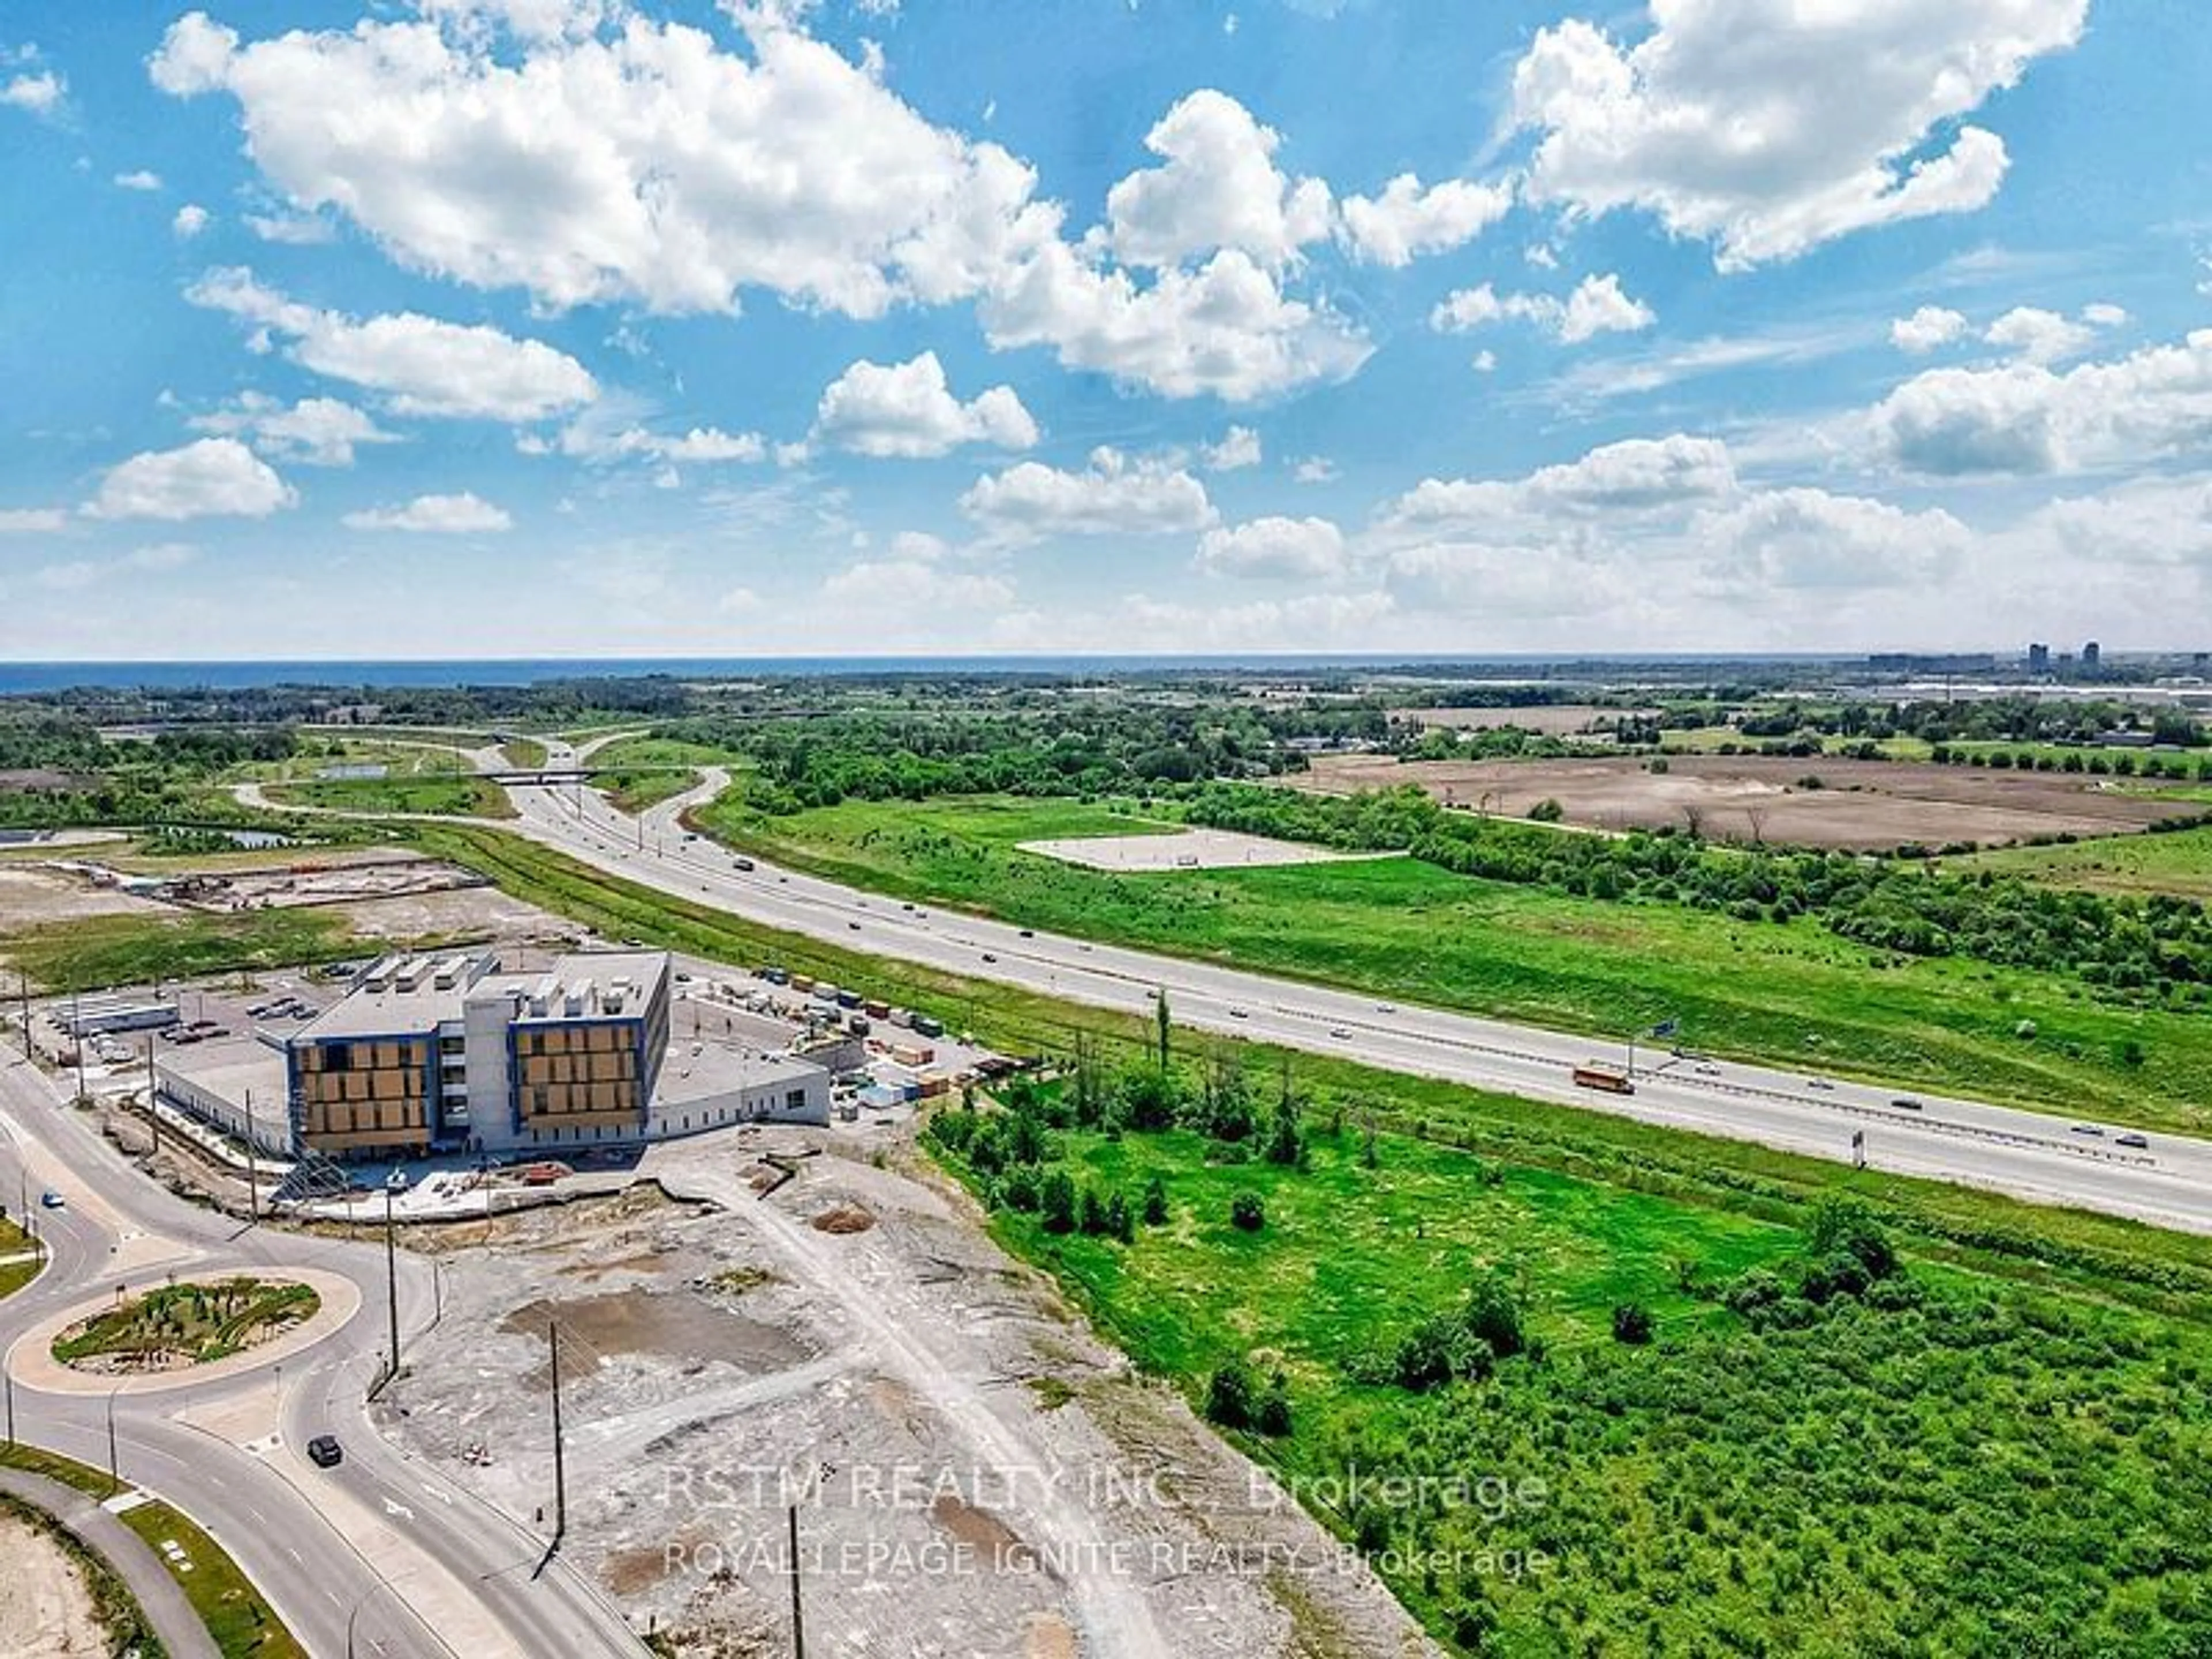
8,1383
152,1098
559,1470
797,1615
253,1174
392,1279
23,997
76,1036
114,1468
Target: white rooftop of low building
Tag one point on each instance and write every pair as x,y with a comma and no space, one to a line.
595,984
708,1070
230,1067
401,996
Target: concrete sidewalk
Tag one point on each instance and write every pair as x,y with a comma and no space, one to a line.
182,1636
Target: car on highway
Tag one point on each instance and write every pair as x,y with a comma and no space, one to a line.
2139,1143
2088,1129
52,1201
325,1451
1029,932
1819,1083
1339,1031
988,956
1708,1070
855,926
1386,1007
1238,1013
1905,1103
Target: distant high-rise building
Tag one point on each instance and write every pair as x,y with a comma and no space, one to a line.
2092,658
2039,658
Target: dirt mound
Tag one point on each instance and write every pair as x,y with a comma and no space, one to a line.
845,1218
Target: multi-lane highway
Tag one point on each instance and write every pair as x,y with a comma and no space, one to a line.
2029,1154
377,1556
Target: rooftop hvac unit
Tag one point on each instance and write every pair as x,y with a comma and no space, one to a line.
580,997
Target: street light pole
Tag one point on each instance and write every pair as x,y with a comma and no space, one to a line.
152,1098
114,1466
392,1279
560,1469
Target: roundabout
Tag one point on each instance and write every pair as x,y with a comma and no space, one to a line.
182,1333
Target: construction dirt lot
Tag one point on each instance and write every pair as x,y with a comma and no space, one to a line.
1871,806
975,1473
45,1610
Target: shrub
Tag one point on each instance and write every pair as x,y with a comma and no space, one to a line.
1228,1396
1546,810
1247,1212
1632,1323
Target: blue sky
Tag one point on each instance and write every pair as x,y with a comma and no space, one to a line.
431,327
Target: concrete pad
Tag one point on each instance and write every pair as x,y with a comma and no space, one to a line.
1187,849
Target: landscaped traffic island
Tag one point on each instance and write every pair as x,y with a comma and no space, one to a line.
174,1327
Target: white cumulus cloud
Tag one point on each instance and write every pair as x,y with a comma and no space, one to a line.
1770,126
319,431
1218,187
908,409
1310,550
1113,495
1597,306
1407,220
1926,329
464,515
1239,448
422,365
212,477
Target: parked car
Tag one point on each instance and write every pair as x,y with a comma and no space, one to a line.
325,1452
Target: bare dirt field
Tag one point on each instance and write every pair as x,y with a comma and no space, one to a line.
1558,720
464,913
1862,804
314,882
1188,849
46,1611
976,1474
31,895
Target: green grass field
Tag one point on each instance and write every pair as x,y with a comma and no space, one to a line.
1406,931
14,1241
442,793
242,1623
1725,1489
136,950
647,771
2179,864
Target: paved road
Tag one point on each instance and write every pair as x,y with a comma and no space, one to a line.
131,1558
298,1531
2028,1154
